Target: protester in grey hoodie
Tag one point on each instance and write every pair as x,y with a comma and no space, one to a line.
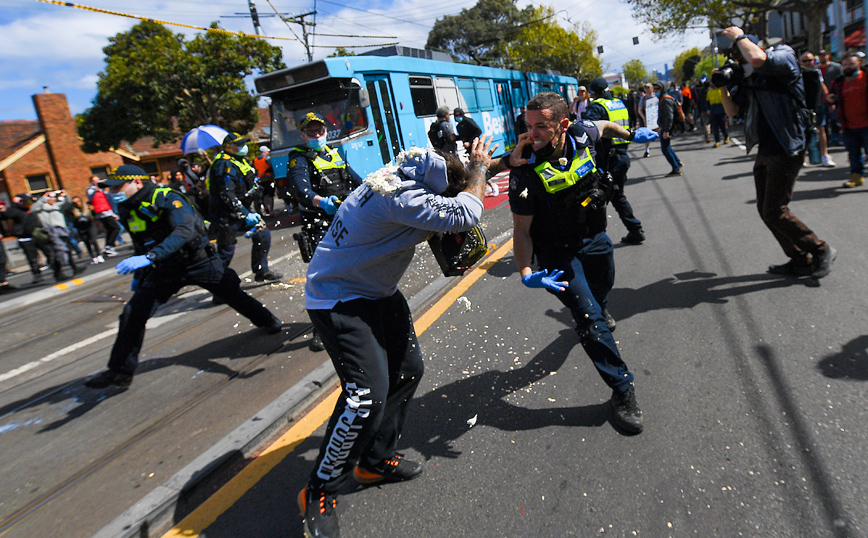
365,324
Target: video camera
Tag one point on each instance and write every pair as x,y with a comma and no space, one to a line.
732,72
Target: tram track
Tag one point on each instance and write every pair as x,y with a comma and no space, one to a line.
33,507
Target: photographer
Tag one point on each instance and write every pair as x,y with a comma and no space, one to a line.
767,86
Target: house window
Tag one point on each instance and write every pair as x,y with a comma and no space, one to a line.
37,183
100,172
150,167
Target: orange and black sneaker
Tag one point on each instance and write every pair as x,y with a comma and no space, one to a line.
318,508
395,469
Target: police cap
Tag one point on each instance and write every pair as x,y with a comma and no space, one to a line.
124,174
598,86
309,118
235,139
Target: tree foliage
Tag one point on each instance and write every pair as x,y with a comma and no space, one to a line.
480,34
543,44
685,63
705,65
635,72
157,84
340,52
674,17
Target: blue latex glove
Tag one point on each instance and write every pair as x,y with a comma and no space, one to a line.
135,285
329,205
542,279
252,219
131,264
644,134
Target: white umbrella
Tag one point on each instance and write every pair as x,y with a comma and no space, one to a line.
202,138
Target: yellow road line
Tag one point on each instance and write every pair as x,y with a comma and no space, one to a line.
65,285
208,512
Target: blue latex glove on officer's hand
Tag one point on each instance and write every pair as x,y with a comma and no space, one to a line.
329,205
542,279
131,264
644,134
252,219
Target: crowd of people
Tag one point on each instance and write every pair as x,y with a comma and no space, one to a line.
359,235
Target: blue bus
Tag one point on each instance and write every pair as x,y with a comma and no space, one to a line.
382,102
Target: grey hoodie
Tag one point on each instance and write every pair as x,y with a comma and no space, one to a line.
373,236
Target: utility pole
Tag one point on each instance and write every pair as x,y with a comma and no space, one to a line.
255,16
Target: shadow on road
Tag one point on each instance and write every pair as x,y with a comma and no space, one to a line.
850,364
689,289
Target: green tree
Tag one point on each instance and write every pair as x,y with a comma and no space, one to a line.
635,72
705,65
157,84
685,64
670,17
480,34
340,52
544,44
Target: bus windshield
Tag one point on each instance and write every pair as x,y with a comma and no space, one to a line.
334,100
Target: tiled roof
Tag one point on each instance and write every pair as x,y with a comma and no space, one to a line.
16,133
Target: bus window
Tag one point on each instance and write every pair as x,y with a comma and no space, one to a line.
422,91
465,86
447,93
334,100
483,92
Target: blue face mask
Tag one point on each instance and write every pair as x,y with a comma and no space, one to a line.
658,94
119,197
459,119
317,144
242,151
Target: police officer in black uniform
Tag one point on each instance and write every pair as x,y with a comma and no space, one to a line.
171,251
612,154
320,179
558,198
231,184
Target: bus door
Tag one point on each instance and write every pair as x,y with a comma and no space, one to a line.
385,119
503,95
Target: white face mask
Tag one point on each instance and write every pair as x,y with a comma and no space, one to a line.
317,144
242,151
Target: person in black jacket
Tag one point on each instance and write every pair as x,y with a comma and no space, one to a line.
666,125
23,224
171,251
467,129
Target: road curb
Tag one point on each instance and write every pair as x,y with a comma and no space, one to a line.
153,514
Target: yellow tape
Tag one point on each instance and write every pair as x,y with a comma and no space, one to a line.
119,14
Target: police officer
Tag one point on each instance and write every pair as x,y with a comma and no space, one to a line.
558,200
171,251
231,184
320,178
612,154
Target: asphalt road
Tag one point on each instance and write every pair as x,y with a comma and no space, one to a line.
753,388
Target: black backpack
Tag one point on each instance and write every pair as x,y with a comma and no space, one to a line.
435,135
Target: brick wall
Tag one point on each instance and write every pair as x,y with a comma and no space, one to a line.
36,162
71,165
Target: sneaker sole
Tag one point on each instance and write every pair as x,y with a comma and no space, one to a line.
367,477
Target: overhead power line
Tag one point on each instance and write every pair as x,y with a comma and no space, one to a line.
169,23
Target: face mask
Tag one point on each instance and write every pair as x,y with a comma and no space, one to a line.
119,197
242,151
658,94
317,144
850,72
459,119
543,153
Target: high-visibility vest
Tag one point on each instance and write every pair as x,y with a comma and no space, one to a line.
618,114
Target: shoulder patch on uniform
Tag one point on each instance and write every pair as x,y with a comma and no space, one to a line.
292,163
178,204
588,123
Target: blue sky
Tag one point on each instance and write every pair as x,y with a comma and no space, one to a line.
61,47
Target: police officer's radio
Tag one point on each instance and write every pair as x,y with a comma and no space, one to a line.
456,253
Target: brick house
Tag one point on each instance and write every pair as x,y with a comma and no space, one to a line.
45,154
